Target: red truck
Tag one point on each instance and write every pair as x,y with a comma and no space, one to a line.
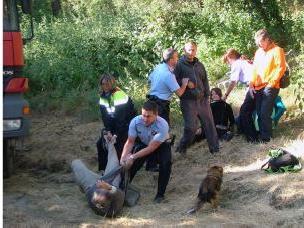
16,110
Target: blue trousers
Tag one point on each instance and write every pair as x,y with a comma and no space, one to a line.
265,99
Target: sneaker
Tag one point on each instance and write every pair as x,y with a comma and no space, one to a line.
158,199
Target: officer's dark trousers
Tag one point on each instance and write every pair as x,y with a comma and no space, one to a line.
245,118
264,105
164,112
163,154
193,111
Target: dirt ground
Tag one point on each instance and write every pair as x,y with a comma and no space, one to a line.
42,192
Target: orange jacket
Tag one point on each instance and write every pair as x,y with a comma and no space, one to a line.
269,66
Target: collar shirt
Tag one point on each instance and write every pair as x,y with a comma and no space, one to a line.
241,71
157,131
269,67
163,82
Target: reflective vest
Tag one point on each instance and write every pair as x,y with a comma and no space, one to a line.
117,98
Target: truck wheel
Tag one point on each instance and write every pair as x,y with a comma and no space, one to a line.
8,158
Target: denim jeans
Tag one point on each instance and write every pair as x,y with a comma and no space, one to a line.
264,105
86,178
245,118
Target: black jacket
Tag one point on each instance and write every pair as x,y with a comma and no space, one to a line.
117,110
196,73
222,114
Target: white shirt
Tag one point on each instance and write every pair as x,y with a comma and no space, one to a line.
241,71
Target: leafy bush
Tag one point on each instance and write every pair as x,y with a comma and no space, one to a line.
126,38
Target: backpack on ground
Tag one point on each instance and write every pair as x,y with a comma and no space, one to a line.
281,161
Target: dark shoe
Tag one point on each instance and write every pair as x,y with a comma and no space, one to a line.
158,199
265,141
213,151
252,140
181,150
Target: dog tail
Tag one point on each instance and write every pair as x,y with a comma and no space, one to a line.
198,204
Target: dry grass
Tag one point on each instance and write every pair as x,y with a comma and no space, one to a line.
42,193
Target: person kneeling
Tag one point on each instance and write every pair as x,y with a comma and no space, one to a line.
153,133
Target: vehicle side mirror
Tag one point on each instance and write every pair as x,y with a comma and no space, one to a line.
26,6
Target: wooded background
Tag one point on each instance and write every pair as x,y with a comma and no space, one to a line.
78,40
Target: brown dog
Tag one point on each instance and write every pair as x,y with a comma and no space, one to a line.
209,189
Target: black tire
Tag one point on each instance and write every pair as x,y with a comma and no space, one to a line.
8,158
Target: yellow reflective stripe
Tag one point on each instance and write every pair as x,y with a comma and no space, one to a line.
104,102
120,98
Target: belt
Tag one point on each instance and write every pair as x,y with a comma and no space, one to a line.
156,99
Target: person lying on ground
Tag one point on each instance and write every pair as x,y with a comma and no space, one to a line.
105,194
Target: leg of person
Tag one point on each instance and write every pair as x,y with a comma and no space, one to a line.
245,117
121,139
113,162
102,155
164,155
164,112
264,114
151,163
138,163
189,111
205,114
84,177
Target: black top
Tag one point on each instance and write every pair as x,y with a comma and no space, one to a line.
196,73
118,121
222,114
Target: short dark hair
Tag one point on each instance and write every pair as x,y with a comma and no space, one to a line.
218,91
150,106
168,54
105,203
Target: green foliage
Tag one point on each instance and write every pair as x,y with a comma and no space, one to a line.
126,38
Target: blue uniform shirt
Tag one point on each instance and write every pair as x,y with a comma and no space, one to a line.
162,82
157,131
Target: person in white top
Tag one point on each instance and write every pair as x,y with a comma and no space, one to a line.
241,69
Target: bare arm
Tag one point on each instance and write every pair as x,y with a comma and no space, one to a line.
230,88
126,152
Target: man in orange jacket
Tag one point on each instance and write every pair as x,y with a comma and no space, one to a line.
269,67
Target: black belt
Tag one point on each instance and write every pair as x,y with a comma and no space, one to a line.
156,99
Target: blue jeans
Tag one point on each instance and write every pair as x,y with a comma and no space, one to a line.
264,105
85,178
246,123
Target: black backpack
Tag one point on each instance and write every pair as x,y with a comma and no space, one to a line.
281,161
285,80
